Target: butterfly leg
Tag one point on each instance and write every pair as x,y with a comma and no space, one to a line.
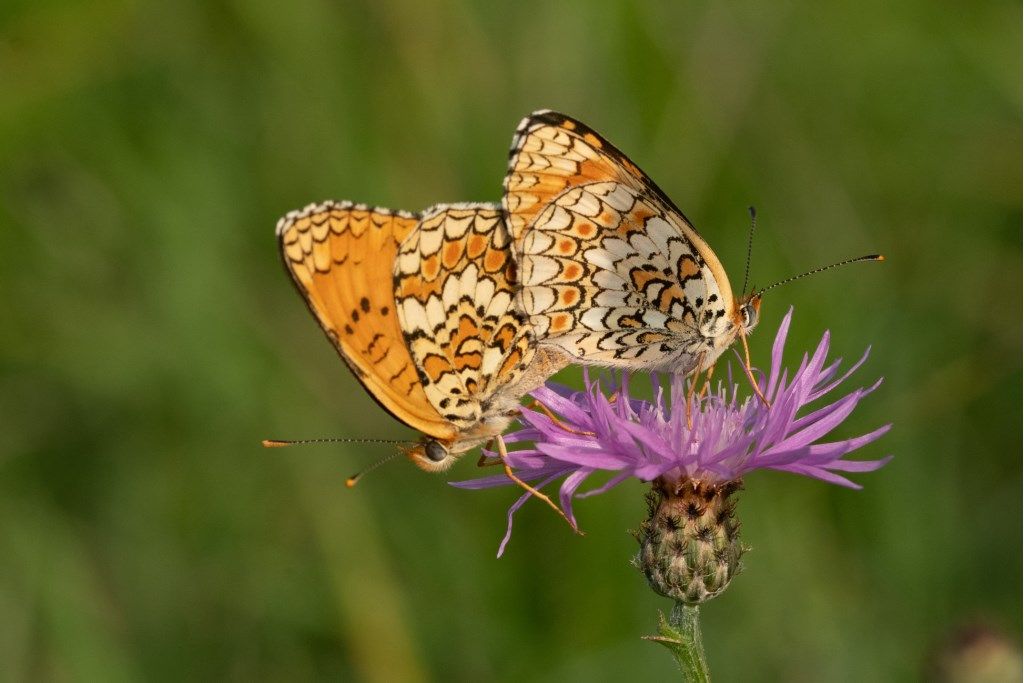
691,392
503,454
537,405
750,373
484,461
707,383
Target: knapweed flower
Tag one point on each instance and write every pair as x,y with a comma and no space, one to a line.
693,446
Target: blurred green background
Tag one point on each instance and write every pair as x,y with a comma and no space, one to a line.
149,337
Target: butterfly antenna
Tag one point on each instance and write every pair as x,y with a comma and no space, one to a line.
750,246
280,443
869,257
354,479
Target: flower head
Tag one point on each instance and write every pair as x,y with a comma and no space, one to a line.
711,438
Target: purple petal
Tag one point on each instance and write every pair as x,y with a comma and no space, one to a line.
818,393
859,465
568,488
607,486
777,348
520,502
821,427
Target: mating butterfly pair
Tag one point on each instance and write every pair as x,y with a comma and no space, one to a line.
450,316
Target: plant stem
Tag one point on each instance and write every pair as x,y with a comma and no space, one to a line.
681,635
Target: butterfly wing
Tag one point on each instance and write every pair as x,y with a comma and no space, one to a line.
340,256
612,271
454,285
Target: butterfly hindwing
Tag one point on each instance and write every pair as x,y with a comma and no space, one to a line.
612,271
455,291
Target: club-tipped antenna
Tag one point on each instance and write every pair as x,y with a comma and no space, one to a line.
750,246
354,479
281,443
869,257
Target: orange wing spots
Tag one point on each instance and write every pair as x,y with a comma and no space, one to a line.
436,366
419,289
590,171
512,362
494,261
631,167
688,268
640,214
570,296
469,361
669,296
566,246
593,141
452,254
504,336
569,124
476,246
585,229
628,322
560,322
572,271
467,334
641,278
653,338
430,267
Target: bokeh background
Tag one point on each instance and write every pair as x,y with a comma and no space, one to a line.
149,337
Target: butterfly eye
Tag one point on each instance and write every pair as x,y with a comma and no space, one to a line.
749,316
435,451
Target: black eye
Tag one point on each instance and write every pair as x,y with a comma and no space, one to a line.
435,451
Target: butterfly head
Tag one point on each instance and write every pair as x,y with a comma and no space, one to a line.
431,455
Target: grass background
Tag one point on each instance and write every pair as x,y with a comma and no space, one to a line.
149,338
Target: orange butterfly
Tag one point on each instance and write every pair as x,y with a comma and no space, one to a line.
422,308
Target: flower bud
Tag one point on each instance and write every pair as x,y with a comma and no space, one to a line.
689,545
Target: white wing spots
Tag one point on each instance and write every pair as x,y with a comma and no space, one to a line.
435,313
664,236
538,242
541,269
580,202
618,196
554,219
539,300
594,318
429,241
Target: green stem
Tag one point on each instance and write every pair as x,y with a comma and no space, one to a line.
681,635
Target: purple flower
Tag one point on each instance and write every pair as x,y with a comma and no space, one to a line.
720,439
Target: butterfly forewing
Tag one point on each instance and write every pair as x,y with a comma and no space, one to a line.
341,256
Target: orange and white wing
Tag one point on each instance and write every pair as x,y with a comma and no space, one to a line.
340,256
455,290
611,270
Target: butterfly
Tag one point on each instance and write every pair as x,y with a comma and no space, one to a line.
611,271
422,308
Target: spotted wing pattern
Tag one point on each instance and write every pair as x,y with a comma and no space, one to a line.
454,288
612,271
341,256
